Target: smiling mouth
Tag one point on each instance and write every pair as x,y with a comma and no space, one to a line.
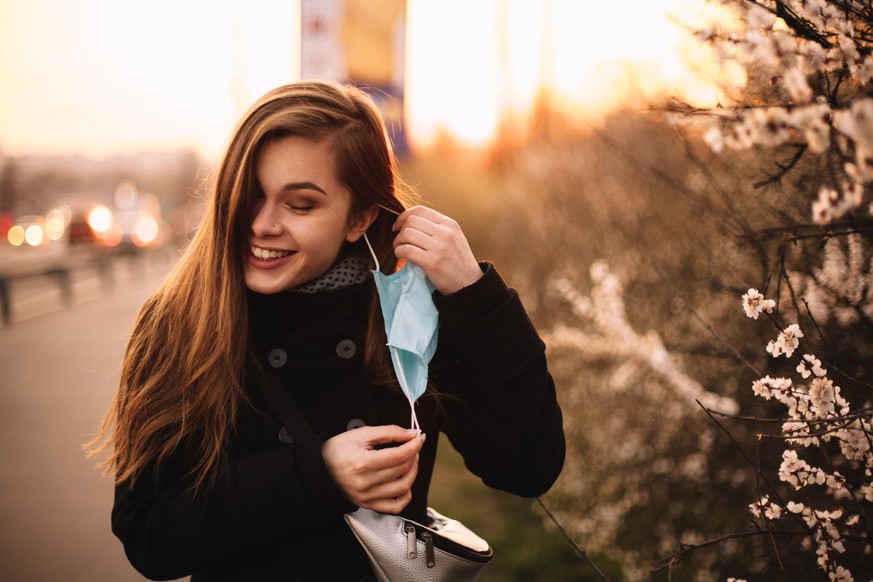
267,254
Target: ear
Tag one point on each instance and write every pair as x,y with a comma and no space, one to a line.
360,222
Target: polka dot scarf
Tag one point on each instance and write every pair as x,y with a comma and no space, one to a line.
349,271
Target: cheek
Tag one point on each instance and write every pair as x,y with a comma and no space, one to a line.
323,238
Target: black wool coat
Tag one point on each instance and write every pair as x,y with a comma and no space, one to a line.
274,513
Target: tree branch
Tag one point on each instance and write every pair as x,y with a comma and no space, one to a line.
676,557
579,549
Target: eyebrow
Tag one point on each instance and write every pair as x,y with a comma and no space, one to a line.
303,186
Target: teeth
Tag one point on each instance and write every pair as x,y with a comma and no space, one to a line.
266,255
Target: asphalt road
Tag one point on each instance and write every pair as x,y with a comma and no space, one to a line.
58,372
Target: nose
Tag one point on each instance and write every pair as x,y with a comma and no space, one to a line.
265,222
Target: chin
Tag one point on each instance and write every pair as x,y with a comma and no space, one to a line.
266,286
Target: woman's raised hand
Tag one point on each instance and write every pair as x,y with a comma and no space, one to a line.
437,244
375,478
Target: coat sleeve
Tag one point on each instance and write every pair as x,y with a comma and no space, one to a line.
502,412
168,532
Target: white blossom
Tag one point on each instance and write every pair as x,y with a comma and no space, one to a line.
714,139
855,442
857,123
794,470
849,49
810,365
798,433
739,136
762,48
832,204
814,122
766,386
759,17
812,56
754,304
795,507
769,126
773,512
822,396
605,309
843,285
795,82
755,508
786,343
864,70
841,574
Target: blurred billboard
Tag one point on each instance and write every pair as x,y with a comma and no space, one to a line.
362,42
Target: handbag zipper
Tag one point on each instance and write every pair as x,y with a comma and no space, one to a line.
415,531
428,549
411,547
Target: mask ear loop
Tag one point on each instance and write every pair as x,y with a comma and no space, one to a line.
372,252
367,240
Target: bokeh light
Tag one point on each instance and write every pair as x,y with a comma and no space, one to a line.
33,235
100,219
15,236
54,225
145,232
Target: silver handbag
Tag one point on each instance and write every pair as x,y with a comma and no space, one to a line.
402,550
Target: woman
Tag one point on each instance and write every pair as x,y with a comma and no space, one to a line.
277,278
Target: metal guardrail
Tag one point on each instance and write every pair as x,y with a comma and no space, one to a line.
56,266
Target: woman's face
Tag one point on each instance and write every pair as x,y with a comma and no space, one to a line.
301,218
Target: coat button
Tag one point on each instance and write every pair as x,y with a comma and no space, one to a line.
346,349
355,423
277,358
285,437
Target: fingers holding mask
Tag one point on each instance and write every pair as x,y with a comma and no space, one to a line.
437,244
372,477
392,495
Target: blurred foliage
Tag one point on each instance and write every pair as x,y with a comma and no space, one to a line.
646,470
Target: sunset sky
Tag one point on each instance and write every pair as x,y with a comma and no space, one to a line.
115,76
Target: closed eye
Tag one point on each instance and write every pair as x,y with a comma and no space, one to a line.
301,207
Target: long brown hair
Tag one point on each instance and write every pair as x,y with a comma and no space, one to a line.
183,372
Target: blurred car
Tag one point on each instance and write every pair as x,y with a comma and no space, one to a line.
138,230
79,232
89,226
125,231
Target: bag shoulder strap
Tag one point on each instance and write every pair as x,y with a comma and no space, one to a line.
283,404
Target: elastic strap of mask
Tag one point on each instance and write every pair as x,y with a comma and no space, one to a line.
372,252
401,377
367,240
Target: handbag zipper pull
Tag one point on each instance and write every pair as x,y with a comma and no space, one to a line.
428,549
411,549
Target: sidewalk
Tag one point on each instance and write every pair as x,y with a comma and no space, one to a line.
59,373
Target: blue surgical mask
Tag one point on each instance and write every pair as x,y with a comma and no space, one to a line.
411,321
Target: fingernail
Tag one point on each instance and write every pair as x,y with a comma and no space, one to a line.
394,227
423,436
415,431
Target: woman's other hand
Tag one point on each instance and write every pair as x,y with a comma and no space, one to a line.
375,478
437,244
